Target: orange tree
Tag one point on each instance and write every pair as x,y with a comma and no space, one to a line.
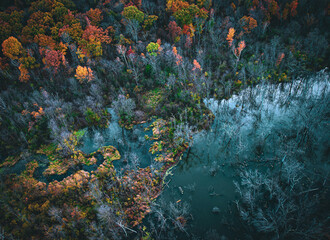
248,23
95,17
12,48
92,39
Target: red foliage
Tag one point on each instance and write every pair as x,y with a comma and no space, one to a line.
137,3
174,30
52,59
130,51
294,6
186,30
95,17
92,32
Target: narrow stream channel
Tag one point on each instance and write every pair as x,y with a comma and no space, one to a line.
257,129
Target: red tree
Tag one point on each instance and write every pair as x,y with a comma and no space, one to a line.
174,31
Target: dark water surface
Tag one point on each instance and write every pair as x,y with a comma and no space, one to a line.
254,130
257,129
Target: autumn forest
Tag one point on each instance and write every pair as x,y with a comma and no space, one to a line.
164,119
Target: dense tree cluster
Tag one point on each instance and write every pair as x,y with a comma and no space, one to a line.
64,62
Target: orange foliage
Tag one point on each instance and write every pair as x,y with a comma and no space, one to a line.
35,114
94,15
25,112
175,51
280,58
5,30
233,6
240,48
196,65
189,30
177,56
93,32
45,41
92,39
84,73
38,23
10,23
69,19
38,114
175,5
248,23
12,48
24,76
230,36
290,8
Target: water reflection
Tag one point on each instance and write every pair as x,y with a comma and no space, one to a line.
131,144
252,130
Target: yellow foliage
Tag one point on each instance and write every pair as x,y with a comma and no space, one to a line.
84,73
80,54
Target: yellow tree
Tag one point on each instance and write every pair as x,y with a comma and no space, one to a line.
84,73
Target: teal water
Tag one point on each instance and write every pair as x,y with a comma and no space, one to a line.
253,130
256,129
131,144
